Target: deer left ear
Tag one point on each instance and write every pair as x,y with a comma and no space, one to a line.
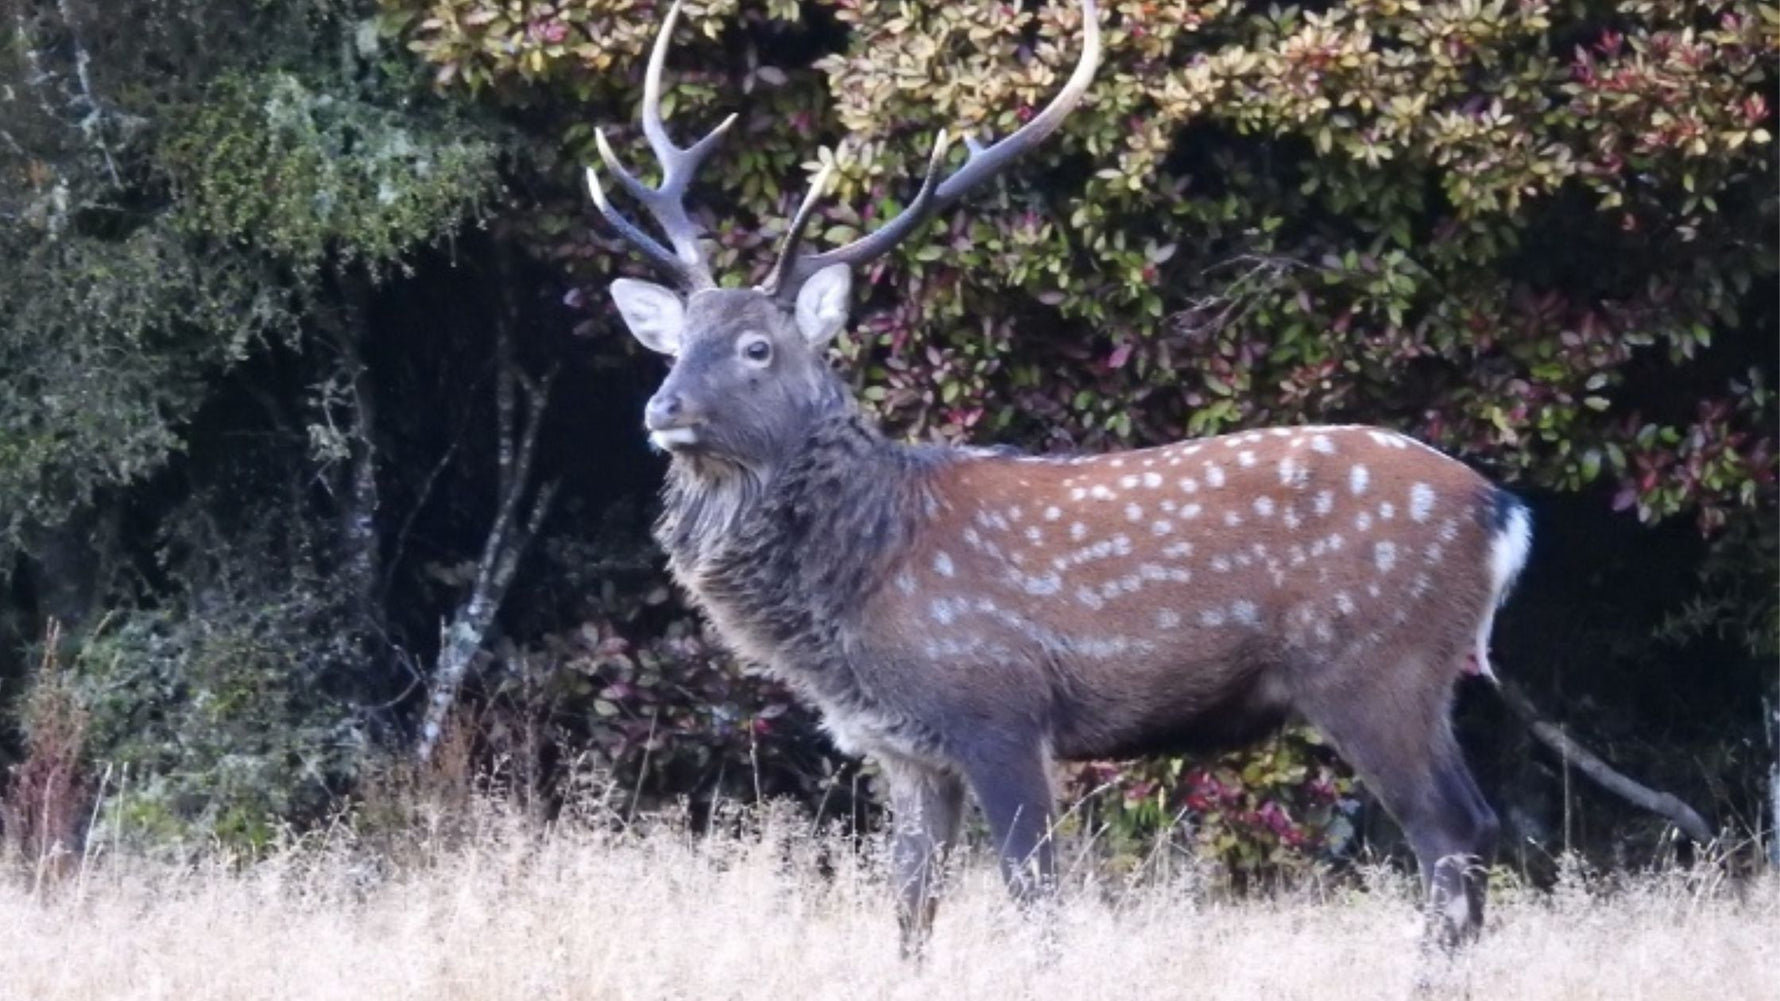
822,304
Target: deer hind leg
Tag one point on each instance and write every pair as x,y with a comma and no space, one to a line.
1407,756
925,804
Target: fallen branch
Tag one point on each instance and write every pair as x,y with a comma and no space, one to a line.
1663,804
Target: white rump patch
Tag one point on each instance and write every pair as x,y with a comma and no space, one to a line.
1508,552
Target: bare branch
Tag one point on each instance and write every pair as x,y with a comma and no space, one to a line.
95,110
1663,804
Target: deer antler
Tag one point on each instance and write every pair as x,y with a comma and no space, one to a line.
984,162
686,262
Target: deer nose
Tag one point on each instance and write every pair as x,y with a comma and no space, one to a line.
665,411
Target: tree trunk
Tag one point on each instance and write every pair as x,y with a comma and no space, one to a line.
508,536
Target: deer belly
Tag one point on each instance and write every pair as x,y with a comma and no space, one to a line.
1150,708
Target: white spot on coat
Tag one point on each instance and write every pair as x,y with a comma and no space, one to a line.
1134,512
1321,443
1245,459
1245,612
1167,618
1357,478
1384,555
1325,501
1264,507
942,564
1214,475
1421,502
1053,512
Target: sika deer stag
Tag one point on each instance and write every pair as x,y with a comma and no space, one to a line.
965,616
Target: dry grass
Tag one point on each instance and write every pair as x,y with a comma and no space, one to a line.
598,916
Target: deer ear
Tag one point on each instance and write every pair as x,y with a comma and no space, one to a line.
654,314
822,304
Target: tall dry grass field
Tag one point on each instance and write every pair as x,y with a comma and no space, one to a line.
780,915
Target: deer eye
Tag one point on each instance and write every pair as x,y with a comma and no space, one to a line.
756,349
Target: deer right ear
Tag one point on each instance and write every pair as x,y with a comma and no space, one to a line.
654,314
822,304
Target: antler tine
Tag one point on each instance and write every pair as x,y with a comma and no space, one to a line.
983,163
794,232
667,202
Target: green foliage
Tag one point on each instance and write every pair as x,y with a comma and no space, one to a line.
105,346
1259,815
223,710
306,175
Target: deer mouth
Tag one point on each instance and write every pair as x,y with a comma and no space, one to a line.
674,439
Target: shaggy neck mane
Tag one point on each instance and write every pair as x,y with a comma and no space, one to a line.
792,547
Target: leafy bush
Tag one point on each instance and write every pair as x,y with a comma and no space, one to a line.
228,709
1257,814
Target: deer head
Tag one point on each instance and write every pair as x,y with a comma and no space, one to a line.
748,372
